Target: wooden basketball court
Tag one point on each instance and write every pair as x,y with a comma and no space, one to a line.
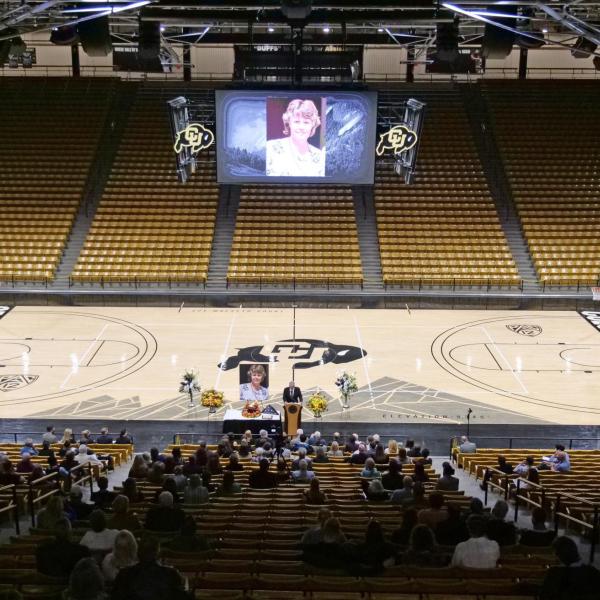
422,366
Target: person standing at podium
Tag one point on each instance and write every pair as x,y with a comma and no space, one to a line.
292,393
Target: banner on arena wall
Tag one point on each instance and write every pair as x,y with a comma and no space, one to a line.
395,140
195,136
4,310
592,317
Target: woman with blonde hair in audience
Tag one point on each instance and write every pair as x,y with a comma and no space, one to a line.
139,468
67,436
392,448
314,495
334,450
124,554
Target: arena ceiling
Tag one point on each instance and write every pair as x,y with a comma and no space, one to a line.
349,22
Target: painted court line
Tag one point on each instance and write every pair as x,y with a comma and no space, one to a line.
80,360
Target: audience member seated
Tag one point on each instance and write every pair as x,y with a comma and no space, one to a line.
302,475
572,580
320,456
103,498
453,530
370,472
301,456
359,456
86,437
66,449
447,482
156,456
401,535
157,473
330,551
523,467
374,553
213,465
478,552
234,463
49,436
422,550
139,468
188,539
124,554
380,457
466,446
351,444
57,557
436,513
76,508
67,436
194,492
404,495
334,450
403,457
414,452
104,437
191,467
500,530
539,535
420,475
392,448
86,582
165,516
124,437
314,495
122,517
261,478
314,534
228,487
25,465
149,580
85,456
532,480
245,449
179,478
247,437
28,448
8,475
316,440
425,457
100,539
263,438
45,450
558,462
393,479
170,486
51,513
503,466
375,491
130,489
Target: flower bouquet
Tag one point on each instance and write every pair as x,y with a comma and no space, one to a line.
317,404
346,383
212,399
251,410
189,384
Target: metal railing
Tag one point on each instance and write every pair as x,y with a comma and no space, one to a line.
17,435
138,282
13,505
453,283
292,283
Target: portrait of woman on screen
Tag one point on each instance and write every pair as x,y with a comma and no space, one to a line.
293,155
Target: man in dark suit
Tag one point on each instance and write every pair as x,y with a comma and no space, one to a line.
292,393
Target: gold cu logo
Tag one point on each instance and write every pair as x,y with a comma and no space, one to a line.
399,139
194,136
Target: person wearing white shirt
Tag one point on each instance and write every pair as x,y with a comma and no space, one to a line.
99,540
478,552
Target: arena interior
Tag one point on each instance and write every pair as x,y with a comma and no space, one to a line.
393,205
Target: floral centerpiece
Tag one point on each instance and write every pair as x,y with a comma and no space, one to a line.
251,410
189,384
346,383
317,404
212,399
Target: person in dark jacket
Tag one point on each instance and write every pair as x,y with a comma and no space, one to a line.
165,516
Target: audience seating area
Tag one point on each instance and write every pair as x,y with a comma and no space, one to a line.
295,235
149,228
547,133
443,228
49,131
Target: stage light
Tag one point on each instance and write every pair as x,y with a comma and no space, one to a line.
544,30
271,29
326,29
380,30
162,28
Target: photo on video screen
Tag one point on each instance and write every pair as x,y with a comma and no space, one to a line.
254,382
297,137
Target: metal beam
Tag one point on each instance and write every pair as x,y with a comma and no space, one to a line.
572,26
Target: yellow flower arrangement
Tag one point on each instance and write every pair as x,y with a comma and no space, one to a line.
212,399
317,404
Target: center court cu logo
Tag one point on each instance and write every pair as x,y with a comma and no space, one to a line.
306,352
528,330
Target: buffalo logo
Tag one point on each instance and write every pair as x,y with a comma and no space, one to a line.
8,383
308,353
194,136
398,139
528,330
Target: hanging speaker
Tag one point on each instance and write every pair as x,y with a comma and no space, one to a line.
447,41
583,48
498,42
64,36
149,41
95,37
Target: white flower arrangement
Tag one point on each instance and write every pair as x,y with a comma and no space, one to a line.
346,383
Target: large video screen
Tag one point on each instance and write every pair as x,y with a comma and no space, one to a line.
296,136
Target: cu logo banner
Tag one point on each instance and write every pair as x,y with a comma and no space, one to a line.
397,139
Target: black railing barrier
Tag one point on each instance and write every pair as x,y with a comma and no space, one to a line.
13,504
17,435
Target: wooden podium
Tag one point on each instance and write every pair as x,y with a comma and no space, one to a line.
293,421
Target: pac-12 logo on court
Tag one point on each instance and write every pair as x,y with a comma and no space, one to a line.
8,383
307,352
528,330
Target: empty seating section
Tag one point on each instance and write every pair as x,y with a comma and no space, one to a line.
547,133
148,226
48,137
295,234
443,228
